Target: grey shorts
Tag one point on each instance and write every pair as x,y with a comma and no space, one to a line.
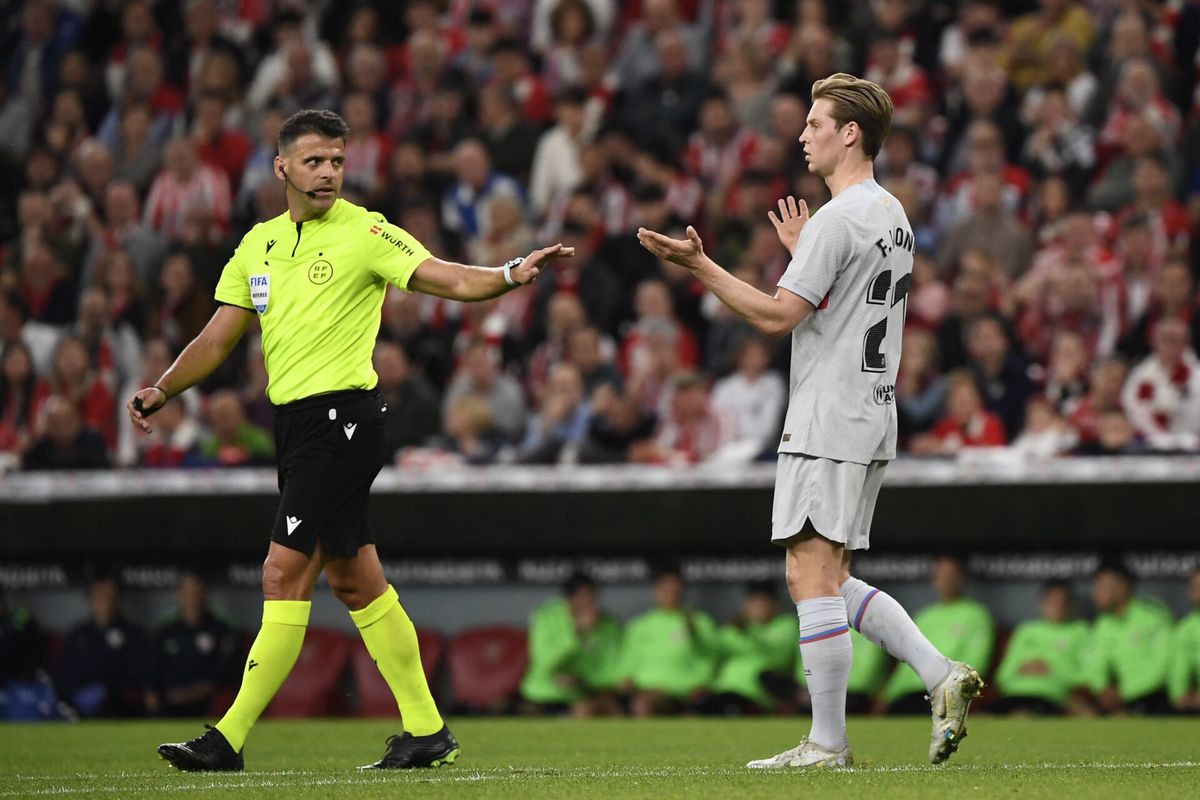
836,497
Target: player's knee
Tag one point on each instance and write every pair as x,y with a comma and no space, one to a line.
349,591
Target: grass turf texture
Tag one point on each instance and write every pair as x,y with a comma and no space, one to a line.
560,758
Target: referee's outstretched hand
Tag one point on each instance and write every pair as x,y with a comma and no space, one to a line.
143,404
791,220
685,252
528,270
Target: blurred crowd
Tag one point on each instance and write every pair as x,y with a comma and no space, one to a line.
1132,656
1045,151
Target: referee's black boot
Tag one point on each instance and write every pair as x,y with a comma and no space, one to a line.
208,752
406,751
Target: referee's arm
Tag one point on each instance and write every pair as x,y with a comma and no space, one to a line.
465,282
202,355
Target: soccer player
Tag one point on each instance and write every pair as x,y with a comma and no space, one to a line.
1043,663
843,300
1183,680
315,277
1129,652
574,652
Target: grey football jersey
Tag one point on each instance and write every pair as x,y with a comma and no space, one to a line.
854,263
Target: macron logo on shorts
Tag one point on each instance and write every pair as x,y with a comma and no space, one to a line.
293,523
349,428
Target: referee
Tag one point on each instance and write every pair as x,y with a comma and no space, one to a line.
316,278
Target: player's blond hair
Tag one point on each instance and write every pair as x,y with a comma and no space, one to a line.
860,101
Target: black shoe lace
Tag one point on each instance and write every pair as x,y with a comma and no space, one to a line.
394,739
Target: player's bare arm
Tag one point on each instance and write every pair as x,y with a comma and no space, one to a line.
464,282
202,355
771,315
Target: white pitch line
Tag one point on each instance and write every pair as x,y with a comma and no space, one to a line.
271,779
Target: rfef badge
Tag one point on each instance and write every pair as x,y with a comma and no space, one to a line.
260,291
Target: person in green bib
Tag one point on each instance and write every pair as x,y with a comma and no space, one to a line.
1130,645
669,652
757,652
1042,668
574,653
958,626
1183,680
315,278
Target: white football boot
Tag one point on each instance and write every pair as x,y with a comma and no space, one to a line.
805,754
950,700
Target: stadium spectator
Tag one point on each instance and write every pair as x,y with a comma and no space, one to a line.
412,403
1033,35
757,652
1183,680
1162,394
1042,668
958,626
184,305
966,423
104,667
574,653
77,379
194,654
693,431
1129,650
1106,377
1066,381
752,397
592,355
444,79
621,431
217,144
17,390
920,387
233,441
636,62
668,99
465,202
668,653
558,429
557,169
175,438
183,183
1002,374
1171,296
1045,433
480,374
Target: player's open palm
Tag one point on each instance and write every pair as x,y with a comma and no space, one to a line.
532,265
791,220
685,252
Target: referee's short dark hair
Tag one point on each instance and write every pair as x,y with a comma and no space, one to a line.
311,120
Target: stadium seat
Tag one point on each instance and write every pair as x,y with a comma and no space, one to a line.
375,698
486,666
314,688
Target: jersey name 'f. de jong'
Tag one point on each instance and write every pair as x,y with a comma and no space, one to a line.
854,264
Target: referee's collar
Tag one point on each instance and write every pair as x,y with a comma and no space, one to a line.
331,215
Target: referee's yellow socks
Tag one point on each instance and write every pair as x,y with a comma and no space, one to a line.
391,640
271,658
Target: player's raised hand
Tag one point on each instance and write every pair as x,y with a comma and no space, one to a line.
685,252
143,404
791,220
533,264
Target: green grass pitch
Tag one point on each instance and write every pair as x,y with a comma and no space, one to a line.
560,758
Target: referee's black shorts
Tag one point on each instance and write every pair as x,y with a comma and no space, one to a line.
329,448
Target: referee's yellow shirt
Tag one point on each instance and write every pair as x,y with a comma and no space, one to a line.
318,288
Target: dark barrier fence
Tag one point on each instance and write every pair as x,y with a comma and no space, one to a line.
995,504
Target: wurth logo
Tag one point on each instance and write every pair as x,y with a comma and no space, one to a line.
398,242
375,229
